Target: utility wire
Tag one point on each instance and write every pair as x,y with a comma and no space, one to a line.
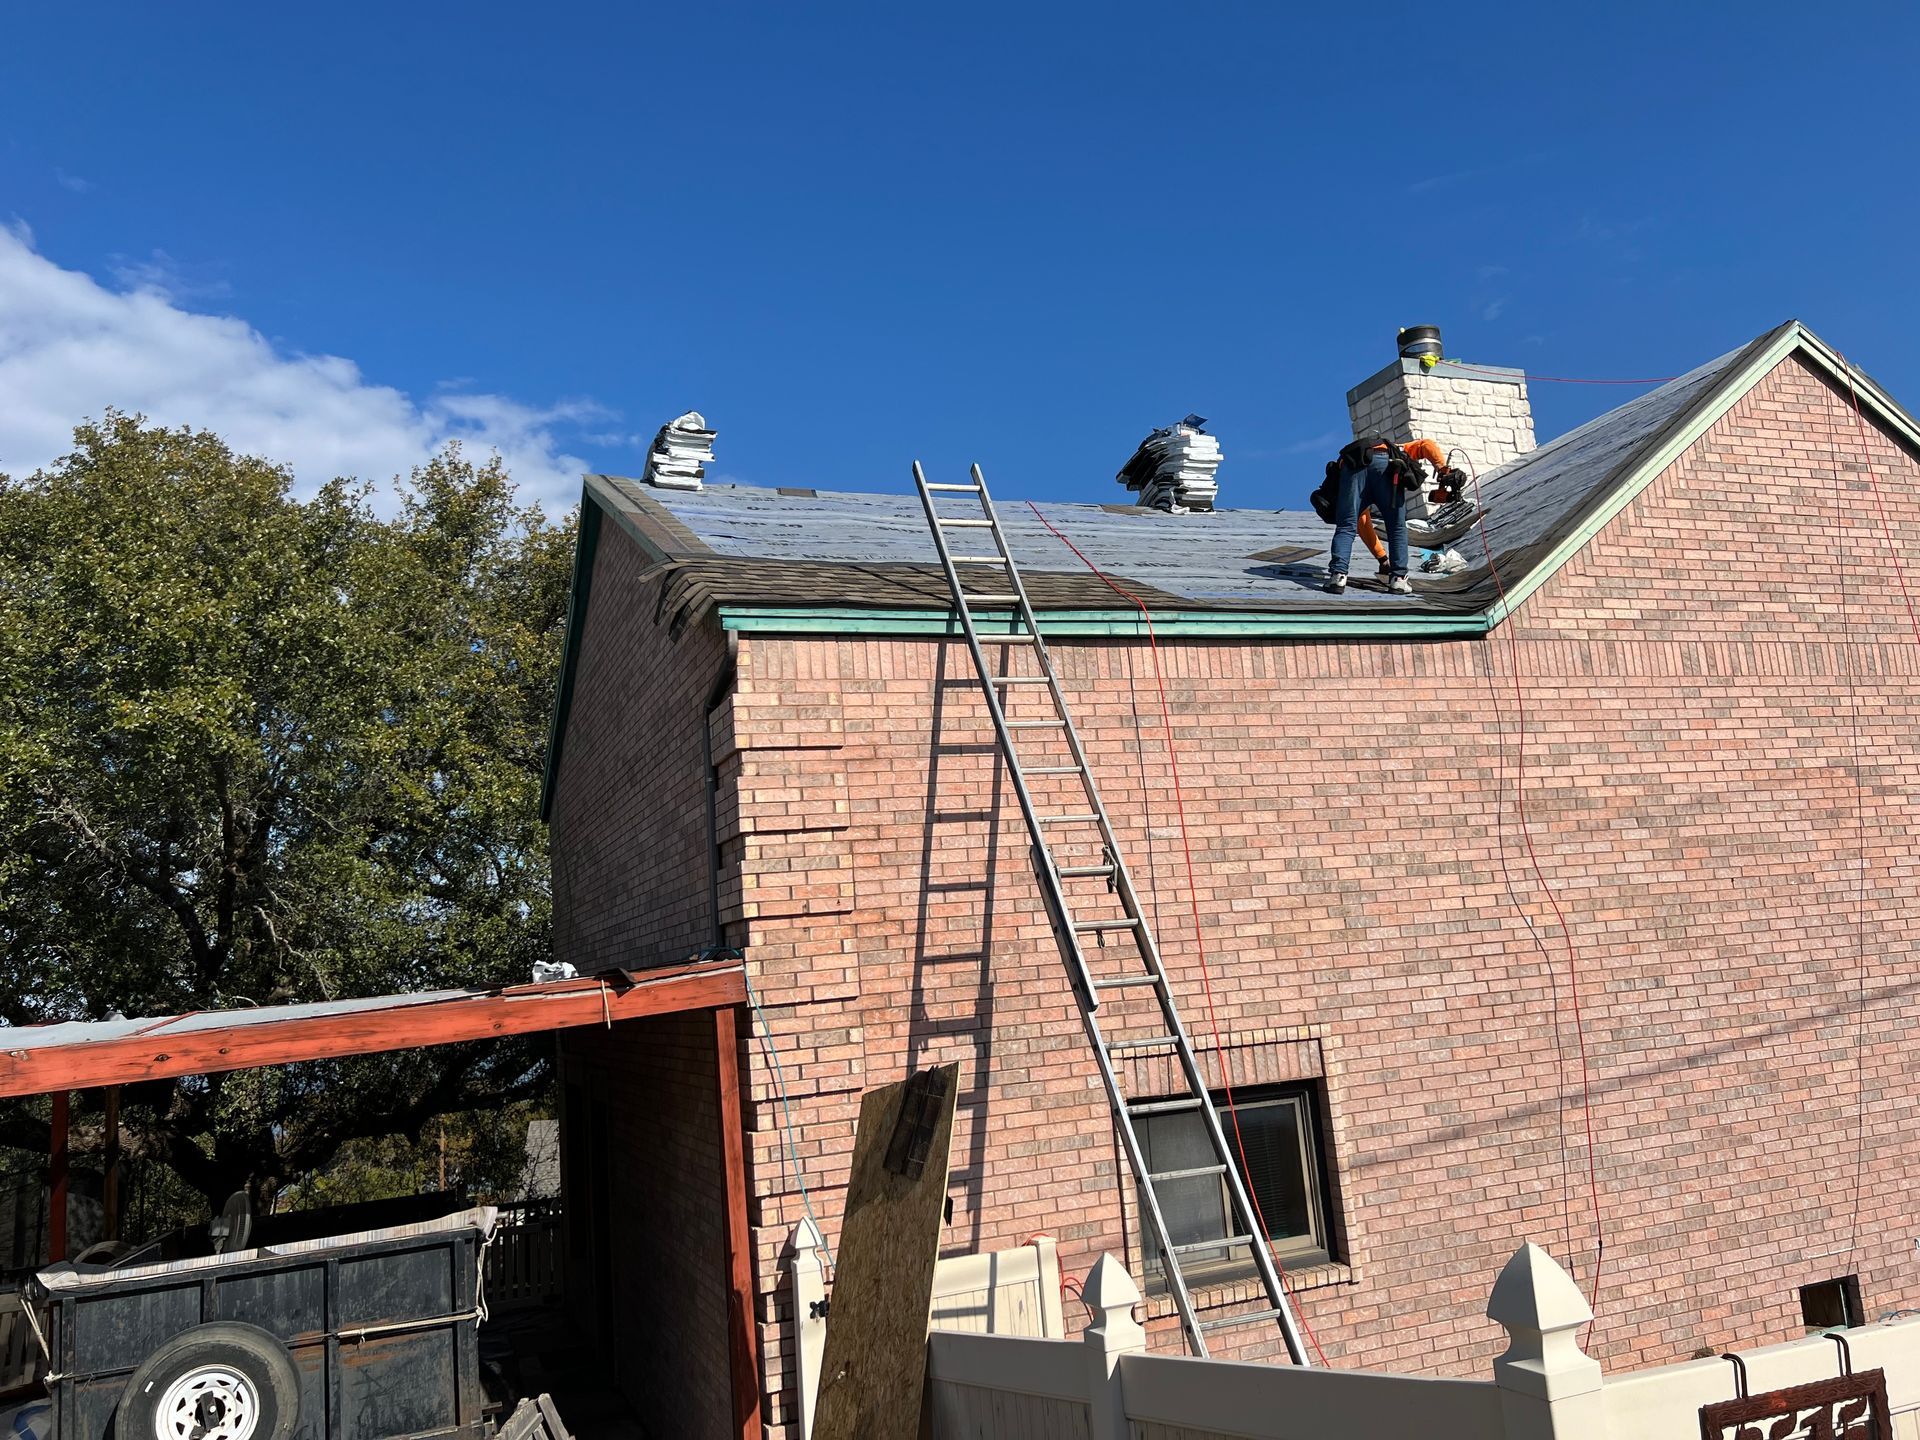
772,1054
1566,931
1193,902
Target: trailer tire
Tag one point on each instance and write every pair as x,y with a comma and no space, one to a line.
223,1381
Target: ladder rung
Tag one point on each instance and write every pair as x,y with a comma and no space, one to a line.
1223,1243
1194,1174
1162,1107
1008,611
1246,1319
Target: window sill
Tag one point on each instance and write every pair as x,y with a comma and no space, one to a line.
1216,1294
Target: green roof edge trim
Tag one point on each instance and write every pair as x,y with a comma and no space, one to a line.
1095,624
1768,352
1728,393
585,544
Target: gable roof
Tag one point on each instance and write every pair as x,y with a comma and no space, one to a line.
801,561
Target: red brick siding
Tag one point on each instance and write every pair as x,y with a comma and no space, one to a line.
1690,783
629,812
668,1351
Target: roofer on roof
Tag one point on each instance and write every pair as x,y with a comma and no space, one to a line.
1322,501
1377,474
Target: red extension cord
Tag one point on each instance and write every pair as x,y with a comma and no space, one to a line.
1566,931
1533,859
1193,902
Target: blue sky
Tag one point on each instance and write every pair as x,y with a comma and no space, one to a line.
854,236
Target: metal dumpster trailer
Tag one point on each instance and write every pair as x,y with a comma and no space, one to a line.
366,1336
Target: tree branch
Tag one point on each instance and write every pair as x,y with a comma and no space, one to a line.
67,818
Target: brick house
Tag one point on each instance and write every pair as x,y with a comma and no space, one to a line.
768,738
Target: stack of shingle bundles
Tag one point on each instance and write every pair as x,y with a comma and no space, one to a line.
680,453
1174,468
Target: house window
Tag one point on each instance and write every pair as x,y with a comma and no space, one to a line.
1832,1304
1285,1170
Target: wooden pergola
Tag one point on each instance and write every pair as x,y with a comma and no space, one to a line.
57,1059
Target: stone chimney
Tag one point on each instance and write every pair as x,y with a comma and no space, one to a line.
1481,409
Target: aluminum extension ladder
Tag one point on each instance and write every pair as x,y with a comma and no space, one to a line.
1072,905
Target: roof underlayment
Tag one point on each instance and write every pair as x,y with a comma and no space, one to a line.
1264,559
794,547
801,561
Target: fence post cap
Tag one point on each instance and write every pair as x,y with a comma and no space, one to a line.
1111,1295
1542,1311
1109,1287
1534,1293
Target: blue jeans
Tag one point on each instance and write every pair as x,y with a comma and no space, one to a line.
1359,488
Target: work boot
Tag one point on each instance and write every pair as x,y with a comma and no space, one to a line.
1399,585
1336,583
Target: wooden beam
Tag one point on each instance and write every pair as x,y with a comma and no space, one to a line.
159,1052
57,1182
743,1332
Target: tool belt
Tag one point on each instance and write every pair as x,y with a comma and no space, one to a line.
1402,469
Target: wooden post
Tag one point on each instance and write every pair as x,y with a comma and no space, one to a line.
110,1177
57,1182
743,1336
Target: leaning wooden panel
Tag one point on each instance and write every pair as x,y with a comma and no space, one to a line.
875,1365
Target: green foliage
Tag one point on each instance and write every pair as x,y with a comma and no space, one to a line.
483,1157
255,749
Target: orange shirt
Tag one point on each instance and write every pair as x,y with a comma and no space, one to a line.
1370,537
1425,450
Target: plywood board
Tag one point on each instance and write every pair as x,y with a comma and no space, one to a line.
875,1362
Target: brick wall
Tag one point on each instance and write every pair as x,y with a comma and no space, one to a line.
1486,414
631,868
1690,782
657,1081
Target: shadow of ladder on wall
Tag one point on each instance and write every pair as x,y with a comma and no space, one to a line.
994,613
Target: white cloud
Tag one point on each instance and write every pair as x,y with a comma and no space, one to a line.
167,277
70,348
79,185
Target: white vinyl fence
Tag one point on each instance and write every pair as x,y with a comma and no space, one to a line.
1002,1293
1105,1386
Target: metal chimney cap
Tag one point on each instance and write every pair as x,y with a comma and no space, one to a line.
1419,341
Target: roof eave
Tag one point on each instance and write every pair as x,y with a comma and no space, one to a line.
1100,624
